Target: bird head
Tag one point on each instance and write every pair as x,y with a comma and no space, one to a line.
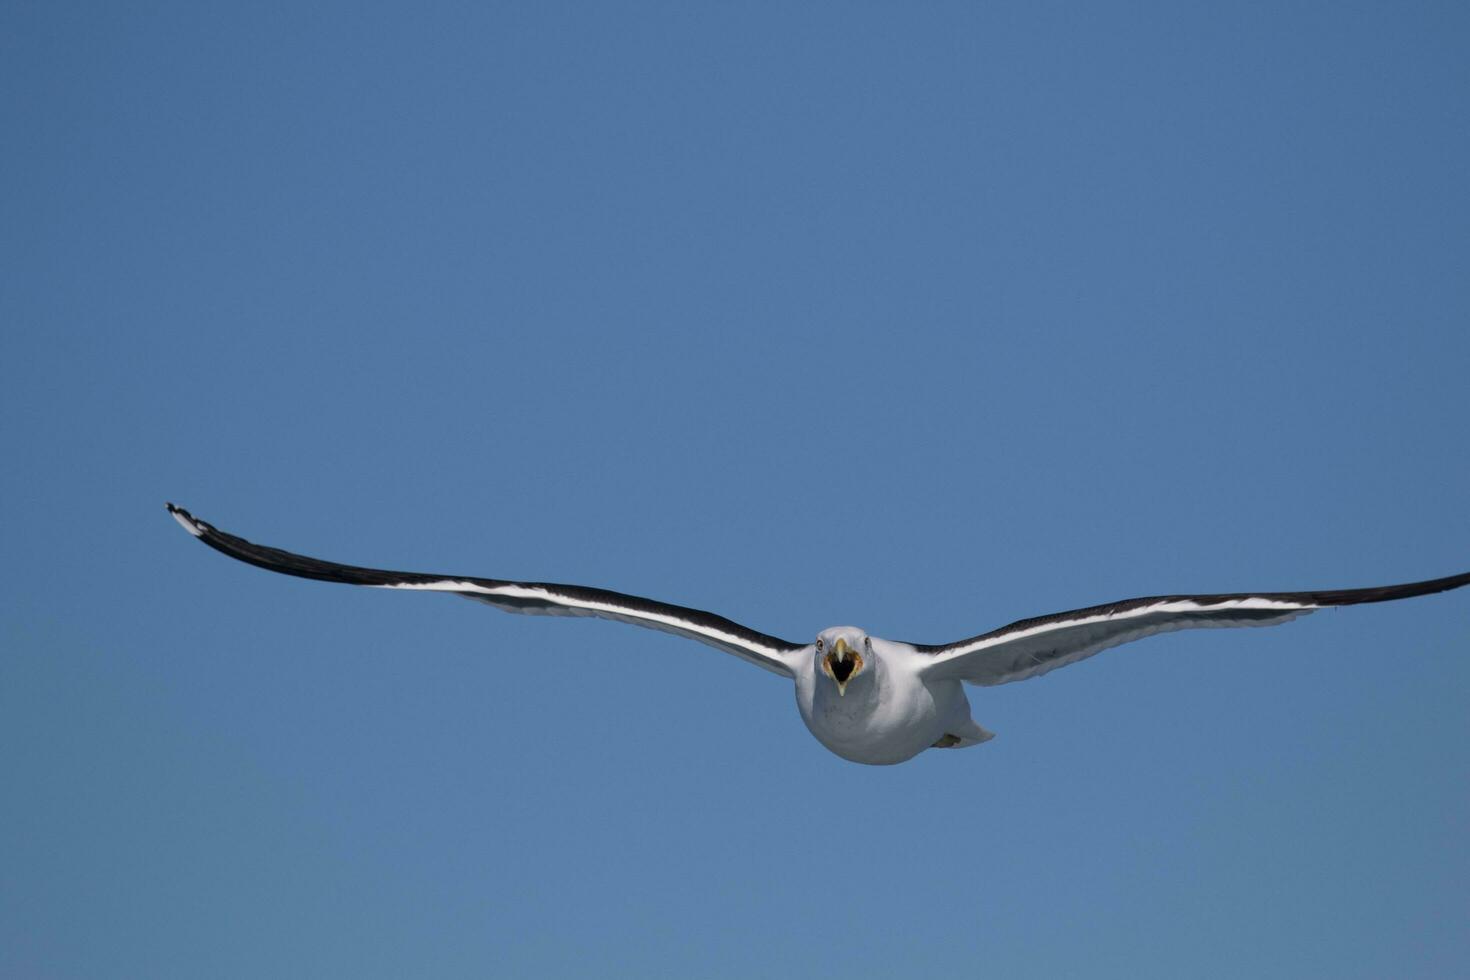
843,652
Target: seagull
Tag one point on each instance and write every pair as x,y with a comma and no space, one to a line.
866,699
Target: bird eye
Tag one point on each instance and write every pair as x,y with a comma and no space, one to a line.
868,643
819,644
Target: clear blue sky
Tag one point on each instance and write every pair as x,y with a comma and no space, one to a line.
919,317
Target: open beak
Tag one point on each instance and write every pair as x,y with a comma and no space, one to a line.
841,664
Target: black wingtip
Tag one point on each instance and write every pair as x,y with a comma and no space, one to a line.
186,520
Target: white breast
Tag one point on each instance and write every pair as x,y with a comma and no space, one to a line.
888,714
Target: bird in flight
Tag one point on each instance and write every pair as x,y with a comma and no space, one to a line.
865,698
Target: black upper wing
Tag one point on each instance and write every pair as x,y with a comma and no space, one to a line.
536,598
1030,647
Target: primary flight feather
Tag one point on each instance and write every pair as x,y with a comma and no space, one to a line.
867,699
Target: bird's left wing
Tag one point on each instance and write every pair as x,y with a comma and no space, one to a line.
536,598
1034,646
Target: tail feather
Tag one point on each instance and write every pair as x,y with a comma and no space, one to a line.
967,735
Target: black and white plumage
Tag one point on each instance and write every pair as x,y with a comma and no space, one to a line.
867,699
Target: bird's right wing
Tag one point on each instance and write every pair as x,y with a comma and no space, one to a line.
1032,647
536,598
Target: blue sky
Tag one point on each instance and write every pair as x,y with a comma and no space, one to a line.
920,319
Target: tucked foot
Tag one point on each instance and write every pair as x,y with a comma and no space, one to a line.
973,736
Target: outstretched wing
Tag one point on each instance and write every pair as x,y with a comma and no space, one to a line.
1034,646
535,598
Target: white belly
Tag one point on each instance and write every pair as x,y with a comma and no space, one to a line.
883,723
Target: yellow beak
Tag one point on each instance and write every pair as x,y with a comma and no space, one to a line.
842,665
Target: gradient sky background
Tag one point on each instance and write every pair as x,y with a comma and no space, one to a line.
920,317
